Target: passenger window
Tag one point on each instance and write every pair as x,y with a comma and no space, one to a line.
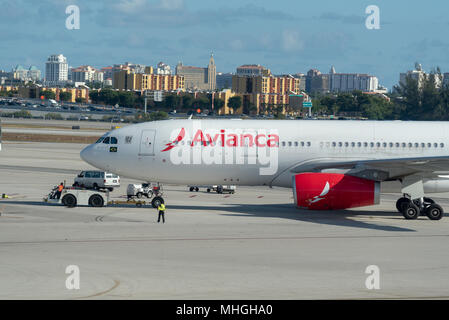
340,144
435,145
334,144
302,144
309,144
372,144
378,144
391,144
99,140
296,143
398,144
359,144
102,175
353,144
404,144
416,145
113,140
283,143
289,143
87,175
423,145
429,145
385,144
442,145
106,140
95,174
410,144
346,144
365,144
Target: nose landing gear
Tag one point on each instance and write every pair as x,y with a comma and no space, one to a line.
412,209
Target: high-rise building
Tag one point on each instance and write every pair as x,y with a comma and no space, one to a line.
86,74
317,82
265,84
20,73
56,70
224,81
34,74
196,78
419,75
163,69
347,82
127,80
253,70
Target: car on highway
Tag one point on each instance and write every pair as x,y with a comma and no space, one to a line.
97,180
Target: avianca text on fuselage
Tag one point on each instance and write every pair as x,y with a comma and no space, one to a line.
260,140
225,147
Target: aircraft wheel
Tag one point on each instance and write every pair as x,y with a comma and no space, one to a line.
157,201
434,212
400,202
411,211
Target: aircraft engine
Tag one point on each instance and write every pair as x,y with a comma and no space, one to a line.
333,191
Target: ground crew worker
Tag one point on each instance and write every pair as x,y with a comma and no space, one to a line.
59,192
161,209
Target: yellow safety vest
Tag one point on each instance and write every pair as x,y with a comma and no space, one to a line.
161,207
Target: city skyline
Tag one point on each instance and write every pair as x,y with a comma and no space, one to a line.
288,38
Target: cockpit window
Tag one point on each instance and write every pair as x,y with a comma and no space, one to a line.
100,140
113,140
106,140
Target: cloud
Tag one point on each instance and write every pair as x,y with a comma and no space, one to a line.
291,41
343,18
172,4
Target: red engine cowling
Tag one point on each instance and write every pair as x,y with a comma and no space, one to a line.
333,191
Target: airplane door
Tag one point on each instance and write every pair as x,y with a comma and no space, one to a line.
147,142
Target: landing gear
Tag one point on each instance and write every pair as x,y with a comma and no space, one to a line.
410,211
434,212
413,209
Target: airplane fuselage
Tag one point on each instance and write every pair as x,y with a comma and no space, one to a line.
255,152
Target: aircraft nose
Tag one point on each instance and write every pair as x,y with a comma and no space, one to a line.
87,154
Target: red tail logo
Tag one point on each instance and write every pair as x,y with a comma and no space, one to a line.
175,142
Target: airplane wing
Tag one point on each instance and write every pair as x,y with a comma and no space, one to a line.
380,169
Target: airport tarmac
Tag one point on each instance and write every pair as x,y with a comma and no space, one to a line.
251,245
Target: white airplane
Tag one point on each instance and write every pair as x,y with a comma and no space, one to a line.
330,165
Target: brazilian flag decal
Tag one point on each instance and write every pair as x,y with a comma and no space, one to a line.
113,149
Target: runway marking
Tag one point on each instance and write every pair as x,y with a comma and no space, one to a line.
215,239
259,197
116,284
193,196
99,218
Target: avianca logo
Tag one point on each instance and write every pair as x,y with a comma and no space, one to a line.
178,139
321,196
227,139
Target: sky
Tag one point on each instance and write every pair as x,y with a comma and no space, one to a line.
286,36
